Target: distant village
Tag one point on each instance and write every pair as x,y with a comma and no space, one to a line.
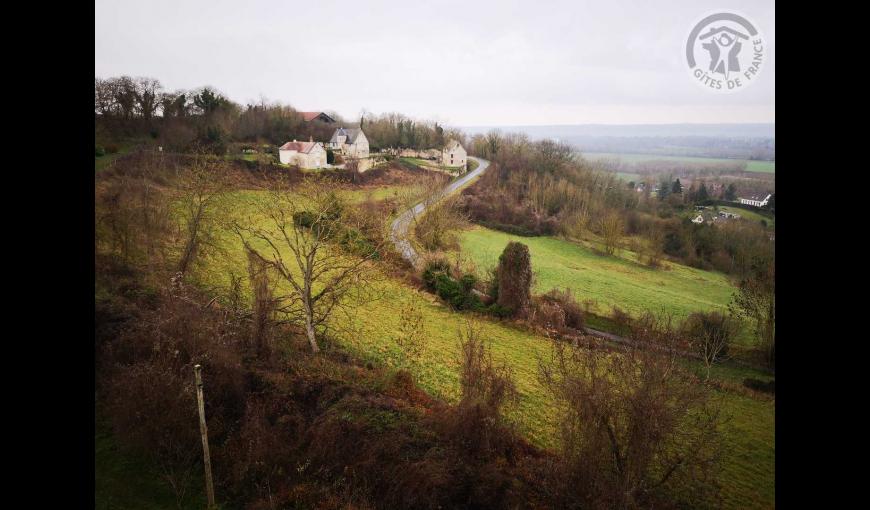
351,143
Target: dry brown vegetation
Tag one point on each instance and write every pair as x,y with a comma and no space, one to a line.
542,188
634,428
291,428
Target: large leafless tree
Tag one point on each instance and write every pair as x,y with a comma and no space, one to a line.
311,240
201,187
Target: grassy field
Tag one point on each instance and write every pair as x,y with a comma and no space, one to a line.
767,167
370,332
609,281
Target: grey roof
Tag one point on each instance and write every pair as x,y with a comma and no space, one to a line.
351,133
451,144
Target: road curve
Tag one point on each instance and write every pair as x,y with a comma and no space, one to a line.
399,228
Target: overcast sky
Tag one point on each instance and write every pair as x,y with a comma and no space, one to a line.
464,63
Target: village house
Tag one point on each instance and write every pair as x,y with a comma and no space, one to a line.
698,219
308,154
728,215
351,142
454,155
756,201
320,116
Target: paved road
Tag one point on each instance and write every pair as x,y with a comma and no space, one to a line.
399,236
399,228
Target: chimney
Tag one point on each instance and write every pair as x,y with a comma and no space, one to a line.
310,138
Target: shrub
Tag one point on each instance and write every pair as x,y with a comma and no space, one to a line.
548,314
353,241
468,281
432,270
706,327
478,424
573,313
457,293
499,311
620,415
99,151
709,334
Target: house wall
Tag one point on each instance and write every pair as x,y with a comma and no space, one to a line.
316,158
459,157
358,149
286,156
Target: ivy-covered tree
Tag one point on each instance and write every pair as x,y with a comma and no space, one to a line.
702,193
731,192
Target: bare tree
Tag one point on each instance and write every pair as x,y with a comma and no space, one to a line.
352,164
710,335
611,230
174,104
756,301
201,188
653,250
300,235
104,97
631,422
147,93
134,217
125,96
479,423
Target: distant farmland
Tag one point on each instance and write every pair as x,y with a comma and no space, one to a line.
767,167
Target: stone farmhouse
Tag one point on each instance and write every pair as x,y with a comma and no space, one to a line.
454,155
309,154
756,201
351,142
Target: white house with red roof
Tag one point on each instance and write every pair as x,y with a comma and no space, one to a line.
308,154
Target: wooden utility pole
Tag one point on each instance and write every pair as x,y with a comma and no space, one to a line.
203,429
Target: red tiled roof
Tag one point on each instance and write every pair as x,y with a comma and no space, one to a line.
303,147
309,116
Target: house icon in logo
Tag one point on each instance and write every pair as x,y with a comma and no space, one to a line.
723,44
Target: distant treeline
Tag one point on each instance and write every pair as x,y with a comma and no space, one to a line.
542,188
127,107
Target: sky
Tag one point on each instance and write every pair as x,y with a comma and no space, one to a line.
465,63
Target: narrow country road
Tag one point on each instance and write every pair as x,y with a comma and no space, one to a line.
401,225
399,228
